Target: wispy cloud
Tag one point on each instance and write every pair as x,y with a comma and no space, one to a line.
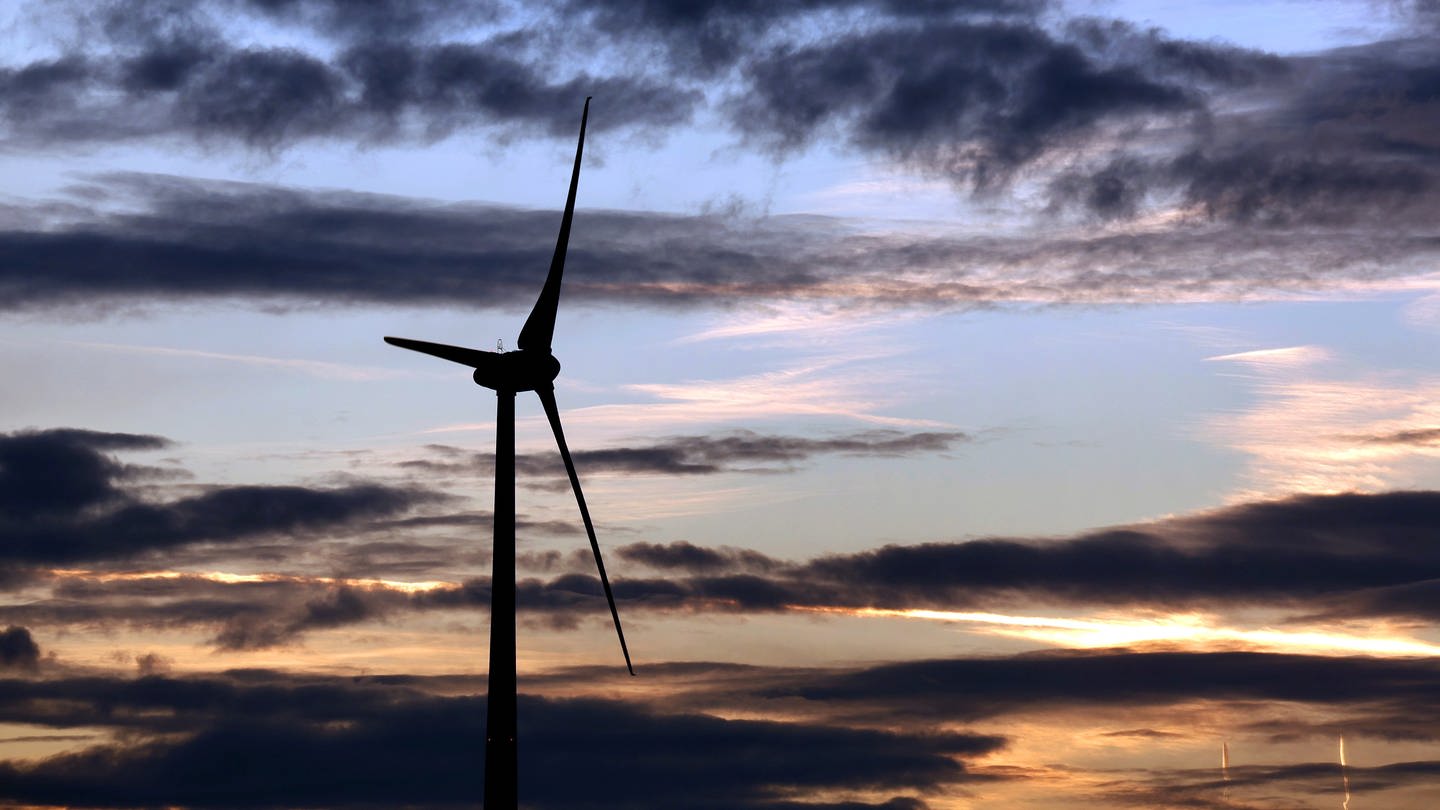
313,368
1310,434
834,387
741,451
855,388
1288,357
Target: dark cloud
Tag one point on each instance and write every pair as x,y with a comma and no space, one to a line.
1419,438
688,557
370,742
163,704
1253,786
1345,139
708,37
223,515
47,738
1116,120
864,737
242,615
978,100
183,78
376,19
1337,556
261,97
1330,139
18,650
945,690
64,501
459,520
278,610
184,240
1419,600
414,559
63,471
1319,695
966,689
254,241
1278,189
336,607
152,664
1252,186
186,604
704,455
1348,556
1144,734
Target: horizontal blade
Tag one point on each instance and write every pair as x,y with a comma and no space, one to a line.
547,399
473,358
539,328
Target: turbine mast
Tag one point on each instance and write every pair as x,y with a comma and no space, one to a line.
502,775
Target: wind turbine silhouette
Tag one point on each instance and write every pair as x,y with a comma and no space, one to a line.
532,368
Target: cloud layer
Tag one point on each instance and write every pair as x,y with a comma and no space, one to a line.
66,501
362,742
176,239
355,741
1311,559
738,451
1222,172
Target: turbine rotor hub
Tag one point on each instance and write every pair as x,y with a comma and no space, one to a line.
523,370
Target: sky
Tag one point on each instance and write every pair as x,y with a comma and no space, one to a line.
986,404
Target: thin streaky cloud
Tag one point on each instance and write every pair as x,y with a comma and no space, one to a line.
637,502
314,368
1286,357
800,323
841,388
829,387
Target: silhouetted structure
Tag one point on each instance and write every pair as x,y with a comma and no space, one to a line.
532,368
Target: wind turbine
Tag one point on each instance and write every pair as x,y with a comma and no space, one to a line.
532,368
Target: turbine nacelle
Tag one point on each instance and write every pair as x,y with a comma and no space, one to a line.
517,371
525,370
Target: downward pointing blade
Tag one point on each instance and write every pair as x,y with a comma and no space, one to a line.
547,399
540,326
473,358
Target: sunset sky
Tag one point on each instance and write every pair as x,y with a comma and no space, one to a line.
982,404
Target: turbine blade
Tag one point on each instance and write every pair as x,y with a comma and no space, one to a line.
473,358
539,328
547,399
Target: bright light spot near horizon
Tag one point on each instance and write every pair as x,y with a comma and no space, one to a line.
1344,775
1179,628
234,579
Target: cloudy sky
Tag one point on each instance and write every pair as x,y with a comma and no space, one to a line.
982,403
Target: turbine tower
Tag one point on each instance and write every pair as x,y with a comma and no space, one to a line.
532,368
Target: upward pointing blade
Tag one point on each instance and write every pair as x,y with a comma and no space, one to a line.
547,399
540,326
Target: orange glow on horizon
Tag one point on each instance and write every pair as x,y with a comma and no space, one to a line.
1177,628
